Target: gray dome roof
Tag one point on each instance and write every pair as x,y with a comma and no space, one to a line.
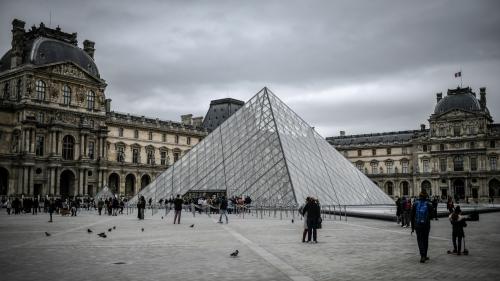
41,51
463,100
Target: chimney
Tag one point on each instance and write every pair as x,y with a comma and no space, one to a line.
439,96
422,127
88,47
107,104
186,119
197,121
482,99
342,133
17,43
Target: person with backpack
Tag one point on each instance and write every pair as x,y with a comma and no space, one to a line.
458,223
421,215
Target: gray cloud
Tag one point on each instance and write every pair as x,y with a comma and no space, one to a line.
342,65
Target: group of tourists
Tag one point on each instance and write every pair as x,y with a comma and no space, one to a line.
420,211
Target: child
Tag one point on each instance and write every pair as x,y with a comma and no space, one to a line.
458,223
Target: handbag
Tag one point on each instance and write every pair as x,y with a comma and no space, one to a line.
320,220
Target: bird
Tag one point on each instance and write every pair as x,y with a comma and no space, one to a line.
234,254
162,217
191,226
89,230
102,235
47,234
142,229
114,227
292,220
109,229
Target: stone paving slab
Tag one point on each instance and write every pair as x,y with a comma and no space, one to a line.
270,249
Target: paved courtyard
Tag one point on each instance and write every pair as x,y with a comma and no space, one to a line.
270,249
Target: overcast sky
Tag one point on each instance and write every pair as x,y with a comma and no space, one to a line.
357,66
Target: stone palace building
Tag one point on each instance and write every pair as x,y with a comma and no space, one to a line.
58,135
457,156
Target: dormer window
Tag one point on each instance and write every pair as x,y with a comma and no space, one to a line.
40,90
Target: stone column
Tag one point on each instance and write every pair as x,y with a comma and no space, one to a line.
85,182
57,188
25,180
30,181
25,140
80,181
32,140
85,141
58,144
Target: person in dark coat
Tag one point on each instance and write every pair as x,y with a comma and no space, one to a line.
141,205
313,211
398,210
458,223
422,224
178,208
52,208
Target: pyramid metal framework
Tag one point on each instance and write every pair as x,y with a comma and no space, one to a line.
266,151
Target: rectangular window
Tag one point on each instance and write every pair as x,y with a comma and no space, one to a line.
359,152
473,164
389,167
405,150
359,166
176,156
456,131
374,168
442,164
458,163
425,164
404,168
176,139
374,152
39,145
91,149
492,144
441,147
424,147
493,163
136,134
163,155
164,137
120,155
188,140
40,117
150,136
135,155
389,151
151,157
472,145
120,132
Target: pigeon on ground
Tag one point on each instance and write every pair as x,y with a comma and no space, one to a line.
114,227
89,230
292,220
191,226
234,254
109,229
102,235
162,217
47,234
142,229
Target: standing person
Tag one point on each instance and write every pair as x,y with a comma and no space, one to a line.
435,208
398,211
421,215
304,215
100,205
406,212
141,205
52,208
223,209
178,208
35,206
8,205
458,223
449,205
313,216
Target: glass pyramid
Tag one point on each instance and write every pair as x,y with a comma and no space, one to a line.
266,151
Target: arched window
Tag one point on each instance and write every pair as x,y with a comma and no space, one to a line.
66,95
90,100
68,147
40,90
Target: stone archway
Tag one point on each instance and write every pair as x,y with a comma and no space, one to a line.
389,188
145,180
4,181
494,188
459,188
405,188
114,183
426,185
67,184
129,185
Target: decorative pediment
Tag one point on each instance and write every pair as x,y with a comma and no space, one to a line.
70,69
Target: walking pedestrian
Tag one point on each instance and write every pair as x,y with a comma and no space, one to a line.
100,205
458,223
141,205
178,208
52,208
435,208
421,215
304,215
223,209
8,205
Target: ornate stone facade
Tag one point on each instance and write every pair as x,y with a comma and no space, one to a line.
58,136
456,157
